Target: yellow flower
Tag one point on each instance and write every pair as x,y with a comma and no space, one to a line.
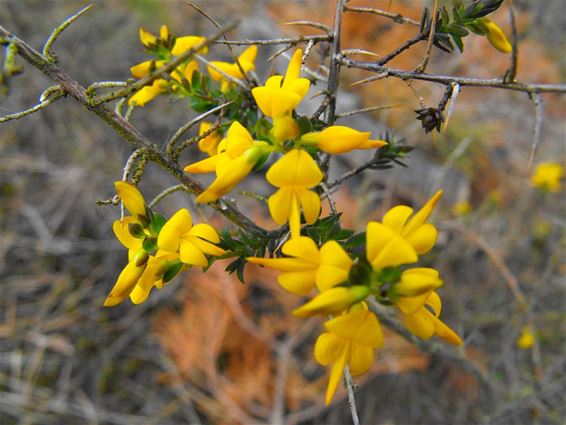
192,242
496,37
547,176
462,208
279,96
332,301
401,239
416,285
128,278
285,128
209,144
307,266
246,61
121,229
421,321
142,69
187,42
351,339
147,93
132,199
294,174
527,338
237,154
340,139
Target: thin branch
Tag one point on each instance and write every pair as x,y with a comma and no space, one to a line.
396,17
376,77
313,24
186,127
125,130
422,67
449,79
511,73
223,73
167,192
347,52
407,44
537,100
48,101
364,110
175,155
275,41
51,57
351,397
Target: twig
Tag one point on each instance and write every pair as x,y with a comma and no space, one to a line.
449,79
221,72
347,52
49,100
376,77
422,67
186,127
351,397
364,110
313,24
511,73
397,17
401,49
350,174
331,203
279,52
175,154
275,41
167,192
51,57
537,100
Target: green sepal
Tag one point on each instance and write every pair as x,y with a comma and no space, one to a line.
136,230
360,273
149,244
156,224
172,271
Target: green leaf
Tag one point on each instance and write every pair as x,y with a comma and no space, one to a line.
149,244
355,241
156,224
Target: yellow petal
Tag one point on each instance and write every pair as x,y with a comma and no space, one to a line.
190,69
417,281
397,217
309,201
336,373
301,247
378,236
285,128
125,283
206,232
496,37
190,254
248,55
204,246
434,302
131,197
146,282
334,268
300,87
337,139
285,264
295,168
228,176
122,232
147,38
386,249
328,348
142,69
421,324
164,32
280,205
182,44
207,165
358,325
210,143
170,235
147,93
444,332
332,301
300,283
294,67
410,305
422,215
423,238
361,359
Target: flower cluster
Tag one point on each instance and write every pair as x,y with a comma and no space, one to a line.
344,283
157,248
548,177
295,173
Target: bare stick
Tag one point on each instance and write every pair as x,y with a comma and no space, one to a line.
351,397
48,101
449,79
430,35
284,40
364,110
313,24
51,57
511,73
537,100
167,192
397,17
406,45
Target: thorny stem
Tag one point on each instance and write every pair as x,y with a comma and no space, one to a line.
449,79
407,44
293,41
125,130
351,397
396,17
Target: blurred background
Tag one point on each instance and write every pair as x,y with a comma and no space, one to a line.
208,349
